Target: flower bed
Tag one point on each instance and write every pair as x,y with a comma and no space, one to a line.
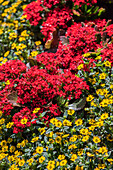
56,86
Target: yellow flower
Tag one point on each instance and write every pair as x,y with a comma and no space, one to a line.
18,145
107,63
21,162
24,33
4,61
1,31
91,121
24,6
110,160
12,149
58,139
89,154
57,163
85,138
111,86
41,159
1,58
1,113
22,39
11,158
1,1
63,162
73,146
50,167
9,125
13,167
86,54
53,121
84,131
6,54
98,58
36,110
73,157
5,3
79,167
73,138
5,148
34,53
80,66
103,150
58,124
70,112
51,140
109,138
38,43
12,35
39,149
99,123
7,82
23,121
42,130
2,121
24,142
80,152
3,143
78,122
9,140
102,76
34,139
89,98
51,163
30,161
96,139
104,116
61,157
101,166
104,103
91,128
67,123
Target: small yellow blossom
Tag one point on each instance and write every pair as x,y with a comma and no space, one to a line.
79,122
89,98
70,112
30,161
102,76
80,66
21,162
1,113
104,116
73,157
58,139
36,110
96,139
38,43
84,131
39,149
61,157
23,121
63,162
107,63
6,53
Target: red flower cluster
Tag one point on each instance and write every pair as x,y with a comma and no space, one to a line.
11,70
24,113
57,18
36,88
33,12
82,2
50,3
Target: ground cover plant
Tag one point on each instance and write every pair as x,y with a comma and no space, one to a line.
56,86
